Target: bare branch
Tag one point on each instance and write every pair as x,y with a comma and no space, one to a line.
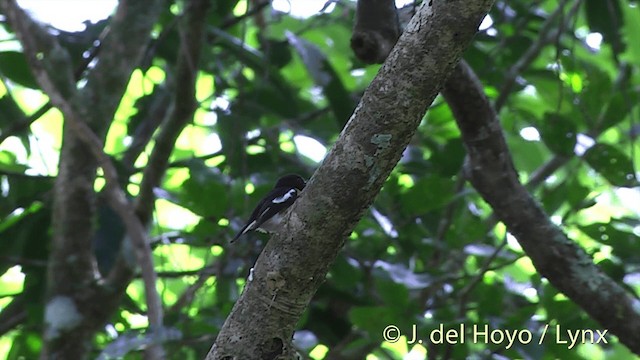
121,47
548,34
560,260
13,314
117,197
71,262
120,204
50,61
184,103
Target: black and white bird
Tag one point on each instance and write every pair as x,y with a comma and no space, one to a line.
267,215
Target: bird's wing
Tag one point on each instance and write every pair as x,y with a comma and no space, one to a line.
287,198
275,203
277,200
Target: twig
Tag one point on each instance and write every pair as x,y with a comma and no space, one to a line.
13,314
187,296
547,36
184,104
120,204
256,9
25,123
446,219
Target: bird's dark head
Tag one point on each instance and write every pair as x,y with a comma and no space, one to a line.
292,180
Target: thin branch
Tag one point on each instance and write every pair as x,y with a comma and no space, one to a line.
253,11
548,34
120,204
25,123
156,113
122,45
13,314
51,66
116,195
447,214
189,293
466,291
560,260
546,37
184,103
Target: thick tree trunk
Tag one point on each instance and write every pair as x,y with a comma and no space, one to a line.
294,264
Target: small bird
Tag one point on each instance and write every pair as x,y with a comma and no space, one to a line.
266,217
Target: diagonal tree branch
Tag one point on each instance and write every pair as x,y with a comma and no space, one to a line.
547,35
118,201
294,263
52,69
71,282
120,53
184,103
556,257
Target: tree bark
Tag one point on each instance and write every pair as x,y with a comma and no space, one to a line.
77,304
566,265
294,263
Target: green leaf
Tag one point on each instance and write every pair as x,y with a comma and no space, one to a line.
204,193
551,89
374,319
345,275
325,76
278,52
605,17
447,160
393,294
14,66
612,164
596,83
569,191
618,108
624,243
9,163
428,193
559,134
631,31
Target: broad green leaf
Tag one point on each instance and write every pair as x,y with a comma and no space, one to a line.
14,66
325,76
624,243
559,133
622,102
194,192
447,160
428,193
631,31
612,164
